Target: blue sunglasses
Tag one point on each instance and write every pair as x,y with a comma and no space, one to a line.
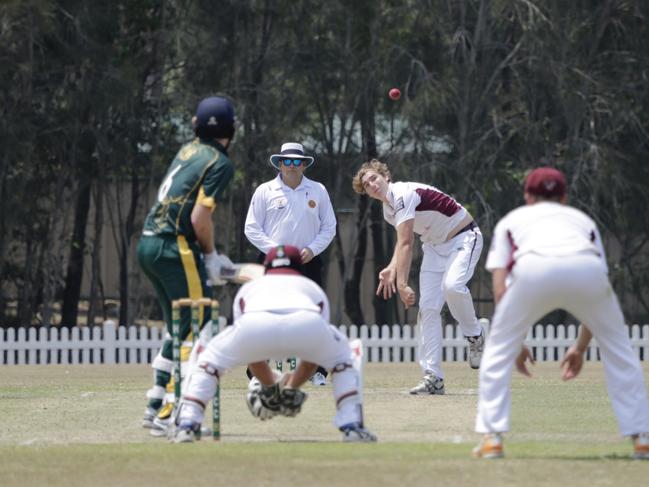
295,162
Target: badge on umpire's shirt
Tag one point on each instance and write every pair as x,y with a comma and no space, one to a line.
311,204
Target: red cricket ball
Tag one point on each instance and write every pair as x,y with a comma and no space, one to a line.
394,93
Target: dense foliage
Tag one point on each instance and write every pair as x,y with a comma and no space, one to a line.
96,97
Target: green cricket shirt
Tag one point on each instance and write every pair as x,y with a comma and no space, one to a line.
200,172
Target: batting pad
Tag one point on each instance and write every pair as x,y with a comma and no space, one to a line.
161,363
156,392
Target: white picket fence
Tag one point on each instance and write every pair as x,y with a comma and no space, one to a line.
548,343
110,344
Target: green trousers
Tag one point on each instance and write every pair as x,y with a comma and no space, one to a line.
176,270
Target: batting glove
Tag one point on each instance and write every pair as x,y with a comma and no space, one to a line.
214,263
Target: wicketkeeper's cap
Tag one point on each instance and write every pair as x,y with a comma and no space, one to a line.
284,259
215,118
547,182
290,150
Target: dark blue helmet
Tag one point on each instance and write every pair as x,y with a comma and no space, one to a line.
215,118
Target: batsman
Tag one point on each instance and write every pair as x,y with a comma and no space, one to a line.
176,250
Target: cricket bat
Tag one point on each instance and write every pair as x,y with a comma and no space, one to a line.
242,273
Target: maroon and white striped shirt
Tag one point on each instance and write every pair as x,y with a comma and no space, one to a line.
435,213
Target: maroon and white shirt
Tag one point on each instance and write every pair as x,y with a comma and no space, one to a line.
281,293
547,229
435,213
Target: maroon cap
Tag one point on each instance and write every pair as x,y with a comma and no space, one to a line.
547,182
283,259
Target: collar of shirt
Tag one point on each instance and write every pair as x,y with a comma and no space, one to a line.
214,144
279,184
390,197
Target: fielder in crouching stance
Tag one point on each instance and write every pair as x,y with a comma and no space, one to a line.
282,314
544,256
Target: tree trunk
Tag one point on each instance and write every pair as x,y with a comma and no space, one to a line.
368,129
380,259
95,280
74,276
25,308
127,236
4,231
52,270
353,279
253,121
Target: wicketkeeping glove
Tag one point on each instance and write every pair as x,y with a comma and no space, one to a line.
291,401
263,402
214,262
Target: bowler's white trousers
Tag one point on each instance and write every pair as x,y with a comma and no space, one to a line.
445,271
578,284
262,335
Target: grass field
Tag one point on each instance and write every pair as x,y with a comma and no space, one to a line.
79,425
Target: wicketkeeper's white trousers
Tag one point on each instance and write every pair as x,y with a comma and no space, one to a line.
259,336
262,335
578,284
445,271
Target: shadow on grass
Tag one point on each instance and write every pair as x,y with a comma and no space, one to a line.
575,458
468,392
247,438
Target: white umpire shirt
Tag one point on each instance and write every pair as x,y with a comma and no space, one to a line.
302,217
547,229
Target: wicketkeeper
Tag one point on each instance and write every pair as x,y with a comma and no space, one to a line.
282,314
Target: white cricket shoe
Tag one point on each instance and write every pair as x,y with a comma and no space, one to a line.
319,379
160,427
355,432
162,421
641,446
149,417
429,384
476,347
186,432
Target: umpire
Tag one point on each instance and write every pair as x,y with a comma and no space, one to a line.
292,209
176,250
